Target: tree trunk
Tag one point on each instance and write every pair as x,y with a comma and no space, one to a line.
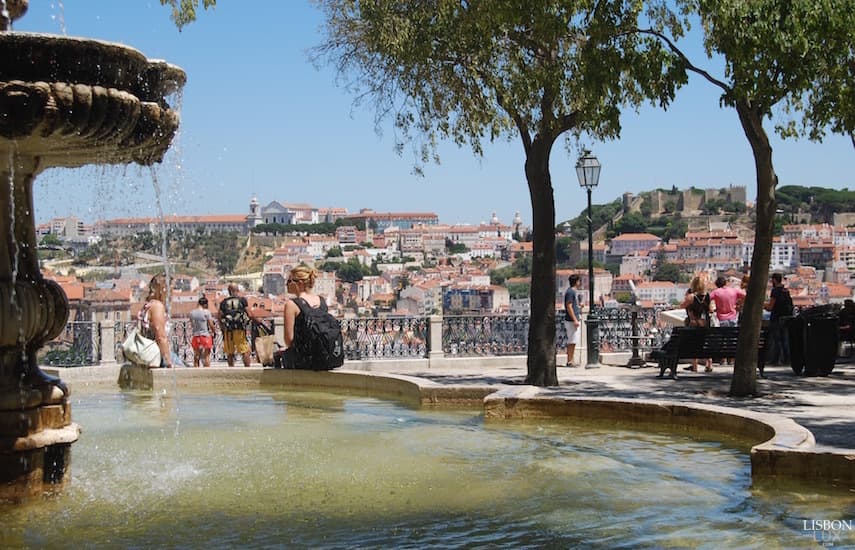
541,328
744,381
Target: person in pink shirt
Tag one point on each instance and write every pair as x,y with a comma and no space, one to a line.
726,299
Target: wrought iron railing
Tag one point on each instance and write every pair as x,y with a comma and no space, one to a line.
478,335
385,338
391,337
616,328
482,335
79,345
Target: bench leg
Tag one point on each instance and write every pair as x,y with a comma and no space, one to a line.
665,364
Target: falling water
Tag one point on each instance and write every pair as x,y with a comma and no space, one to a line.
175,100
164,253
13,295
60,16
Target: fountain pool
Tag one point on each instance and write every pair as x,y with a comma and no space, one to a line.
268,467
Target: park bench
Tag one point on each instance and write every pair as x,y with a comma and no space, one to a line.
715,343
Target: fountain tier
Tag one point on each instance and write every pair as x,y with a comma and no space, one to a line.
64,102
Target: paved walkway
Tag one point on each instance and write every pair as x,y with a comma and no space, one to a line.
824,405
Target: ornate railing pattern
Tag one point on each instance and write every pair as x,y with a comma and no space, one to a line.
616,328
364,338
480,335
389,338
79,345
477,335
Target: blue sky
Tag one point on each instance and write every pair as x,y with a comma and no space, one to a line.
259,119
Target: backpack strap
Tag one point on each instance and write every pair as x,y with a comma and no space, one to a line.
301,303
304,305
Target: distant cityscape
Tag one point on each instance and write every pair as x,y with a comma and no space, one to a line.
424,267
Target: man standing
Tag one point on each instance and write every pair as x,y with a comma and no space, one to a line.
780,306
573,316
233,321
203,331
726,298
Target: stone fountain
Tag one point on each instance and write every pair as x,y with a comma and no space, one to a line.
64,102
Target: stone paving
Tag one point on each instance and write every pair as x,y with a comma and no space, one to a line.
824,405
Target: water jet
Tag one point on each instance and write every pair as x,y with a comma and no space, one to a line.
64,102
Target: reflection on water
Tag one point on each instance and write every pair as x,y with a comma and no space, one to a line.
268,468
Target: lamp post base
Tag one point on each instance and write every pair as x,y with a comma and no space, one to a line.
636,360
593,339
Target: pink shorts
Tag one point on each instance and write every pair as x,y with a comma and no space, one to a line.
202,342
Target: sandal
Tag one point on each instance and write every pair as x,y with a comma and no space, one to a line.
708,369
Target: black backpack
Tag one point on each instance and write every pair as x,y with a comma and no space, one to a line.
318,339
233,312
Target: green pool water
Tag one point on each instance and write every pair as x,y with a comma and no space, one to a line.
260,468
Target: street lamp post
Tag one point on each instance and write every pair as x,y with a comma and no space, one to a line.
588,172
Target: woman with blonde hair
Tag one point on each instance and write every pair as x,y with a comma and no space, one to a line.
152,318
300,283
697,305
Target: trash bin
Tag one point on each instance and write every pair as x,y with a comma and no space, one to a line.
796,332
814,339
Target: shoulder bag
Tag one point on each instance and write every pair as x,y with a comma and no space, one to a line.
140,350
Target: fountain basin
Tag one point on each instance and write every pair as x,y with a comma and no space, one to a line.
779,448
240,463
71,101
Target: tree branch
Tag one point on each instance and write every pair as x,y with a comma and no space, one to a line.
689,65
568,122
525,137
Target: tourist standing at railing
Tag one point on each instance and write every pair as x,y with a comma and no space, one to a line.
697,304
780,308
726,300
573,318
202,323
234,320
152,318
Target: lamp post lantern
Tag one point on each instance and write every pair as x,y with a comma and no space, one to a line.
588,172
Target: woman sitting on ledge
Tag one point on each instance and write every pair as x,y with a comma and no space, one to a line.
312,335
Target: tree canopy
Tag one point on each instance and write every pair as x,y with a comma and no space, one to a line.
475,71
790,62
184,11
